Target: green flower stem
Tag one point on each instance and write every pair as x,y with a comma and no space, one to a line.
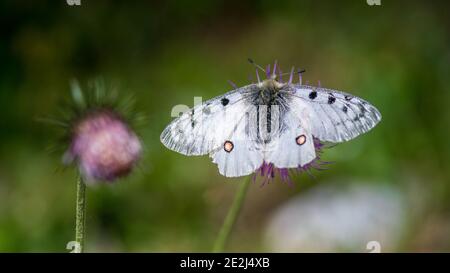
232,215
80,221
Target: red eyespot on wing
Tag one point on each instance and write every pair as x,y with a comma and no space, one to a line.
300,140
228,146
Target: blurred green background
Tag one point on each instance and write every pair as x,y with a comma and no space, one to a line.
396,56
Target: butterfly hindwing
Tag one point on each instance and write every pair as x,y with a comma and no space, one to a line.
240,154
294,146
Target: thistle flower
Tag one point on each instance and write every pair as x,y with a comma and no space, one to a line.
98,135
100,140
103,145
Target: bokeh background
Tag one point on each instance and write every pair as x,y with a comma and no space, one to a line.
390,185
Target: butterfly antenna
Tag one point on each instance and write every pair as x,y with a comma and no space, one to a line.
232,84
300,72
256,65
291,74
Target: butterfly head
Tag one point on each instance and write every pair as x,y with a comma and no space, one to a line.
271,84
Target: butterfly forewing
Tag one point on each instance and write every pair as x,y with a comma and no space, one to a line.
334,116
205,127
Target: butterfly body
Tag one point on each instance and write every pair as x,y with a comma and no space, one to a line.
268,122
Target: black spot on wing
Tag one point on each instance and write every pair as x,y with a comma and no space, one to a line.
224,101
313,95
345,109
331,99
348,97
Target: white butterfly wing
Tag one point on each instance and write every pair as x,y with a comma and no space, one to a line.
202,129
295,145
334,116
240,154
205,129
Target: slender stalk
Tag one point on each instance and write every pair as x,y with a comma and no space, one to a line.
231,217
80,220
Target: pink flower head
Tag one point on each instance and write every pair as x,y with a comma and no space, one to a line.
104,146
